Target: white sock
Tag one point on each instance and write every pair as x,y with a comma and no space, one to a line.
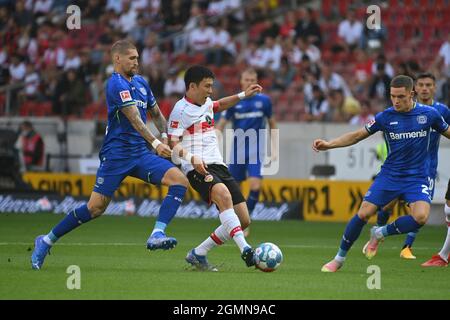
48,241
339,259
446,248
232,225
218,237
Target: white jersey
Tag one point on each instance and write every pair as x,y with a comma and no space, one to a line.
195,125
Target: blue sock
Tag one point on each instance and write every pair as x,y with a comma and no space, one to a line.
252,200
352,232
74,219
403,224
169,207
382,217
410,239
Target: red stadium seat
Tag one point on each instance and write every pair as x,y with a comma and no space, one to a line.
327,7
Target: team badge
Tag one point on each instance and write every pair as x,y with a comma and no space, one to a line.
174,124
209,120
422,119
125,96
143,91
258,104
100,180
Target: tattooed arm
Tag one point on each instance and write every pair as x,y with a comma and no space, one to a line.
133,115
159,120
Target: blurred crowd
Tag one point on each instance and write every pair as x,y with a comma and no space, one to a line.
320,64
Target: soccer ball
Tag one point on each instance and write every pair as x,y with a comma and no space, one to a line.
268,257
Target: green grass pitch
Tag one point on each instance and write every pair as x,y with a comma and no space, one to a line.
115,264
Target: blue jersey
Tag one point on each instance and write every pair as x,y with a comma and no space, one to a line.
122,141
408,137
250,113
435,138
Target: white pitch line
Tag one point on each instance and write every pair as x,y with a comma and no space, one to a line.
93,244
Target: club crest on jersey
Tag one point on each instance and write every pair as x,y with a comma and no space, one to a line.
143,91
209,120
258,104
422,119
174,124
125,96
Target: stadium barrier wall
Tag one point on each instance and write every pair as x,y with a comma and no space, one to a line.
317,200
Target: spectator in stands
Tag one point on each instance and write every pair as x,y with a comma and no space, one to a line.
140,32
31,90
283,76
308,28
272,30
287,29
362,72
32,147
374,38
380,86
252,55
70,94
17,69
303,47
272,54
42,7
330,80
128,17
201,38
222,45
342,107
443,57
73,60
381,59
176,14
22,16
350,31
364,116
54,55
317,107
174,85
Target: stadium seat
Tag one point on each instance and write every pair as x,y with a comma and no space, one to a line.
327,8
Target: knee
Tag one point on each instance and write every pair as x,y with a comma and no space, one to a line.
421,218
175,177
96,209
364,216
245,222
222,197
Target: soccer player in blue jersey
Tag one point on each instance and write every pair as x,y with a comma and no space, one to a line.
425,89
125,153
407,126
248,117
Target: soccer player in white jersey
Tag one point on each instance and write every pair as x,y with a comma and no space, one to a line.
191,125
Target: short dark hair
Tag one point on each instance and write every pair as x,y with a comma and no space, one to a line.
196,74
27,124
424,75
402,81
122,46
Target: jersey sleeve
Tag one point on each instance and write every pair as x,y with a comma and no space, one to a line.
175,126
437,121
119,95
446,113
375,125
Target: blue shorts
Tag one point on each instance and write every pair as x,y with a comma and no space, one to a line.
431,185
150,168
385,189
239,171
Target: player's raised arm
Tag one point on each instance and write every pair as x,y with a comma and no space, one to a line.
227,102
133,115
345,140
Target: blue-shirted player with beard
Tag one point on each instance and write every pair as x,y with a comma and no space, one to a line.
125,153
407,126
248,117
425,89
